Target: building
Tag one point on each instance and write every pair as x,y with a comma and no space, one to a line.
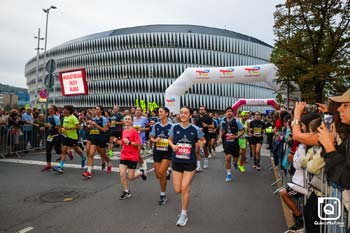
126,64
8,100
21,99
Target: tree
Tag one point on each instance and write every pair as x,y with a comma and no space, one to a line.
313,46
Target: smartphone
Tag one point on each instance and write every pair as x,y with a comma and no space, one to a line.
328,120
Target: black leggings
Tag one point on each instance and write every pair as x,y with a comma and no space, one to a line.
55,143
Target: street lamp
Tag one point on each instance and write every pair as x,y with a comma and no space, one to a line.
37,66
47,11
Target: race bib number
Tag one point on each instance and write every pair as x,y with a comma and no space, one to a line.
50,138
162,145
113,123
184,151
228,138
94,131
257,131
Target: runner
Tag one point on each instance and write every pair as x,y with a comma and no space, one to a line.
53,136
231,130
182,139
256,129
140,123
212,135
242,141
116,127
69,137
129,156
204,122
98,127
161,151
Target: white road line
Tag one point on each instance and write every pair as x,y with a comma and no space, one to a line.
43,163
27,229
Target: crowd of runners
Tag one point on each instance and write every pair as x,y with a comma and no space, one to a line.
177,143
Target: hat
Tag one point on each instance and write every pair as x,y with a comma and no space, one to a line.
342,98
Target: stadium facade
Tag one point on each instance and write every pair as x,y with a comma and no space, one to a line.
126,64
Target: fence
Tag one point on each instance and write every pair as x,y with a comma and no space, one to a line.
332,200
18,140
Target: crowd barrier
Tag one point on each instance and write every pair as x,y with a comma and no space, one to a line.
330,197
19,140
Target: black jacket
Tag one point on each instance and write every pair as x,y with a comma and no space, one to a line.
338,165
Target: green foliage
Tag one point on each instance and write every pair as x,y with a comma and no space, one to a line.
313,46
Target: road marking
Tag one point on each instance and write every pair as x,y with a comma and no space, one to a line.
25,230
35,162
43,163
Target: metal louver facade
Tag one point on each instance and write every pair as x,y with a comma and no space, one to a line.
141,62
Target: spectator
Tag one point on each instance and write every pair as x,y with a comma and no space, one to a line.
337,158
28,120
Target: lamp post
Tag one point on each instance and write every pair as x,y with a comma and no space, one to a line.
47,11
37,66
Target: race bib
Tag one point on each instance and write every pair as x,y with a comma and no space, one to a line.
211,130
94,131
137,127
113,123
184,151
162,145
228,138
257,131
50,138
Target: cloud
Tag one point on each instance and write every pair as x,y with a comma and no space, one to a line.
20,20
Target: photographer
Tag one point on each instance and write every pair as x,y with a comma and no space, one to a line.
337,158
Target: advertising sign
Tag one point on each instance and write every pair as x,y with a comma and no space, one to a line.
73,82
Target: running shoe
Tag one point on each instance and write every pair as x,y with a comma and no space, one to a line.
182,220
241,168
198,169
213,154
110,153
206,164
103,166
109,168
70,155
83,162
46,169
258,168
58,169
168,174
209,156
87,174
163,200
143,174
228,178
125,195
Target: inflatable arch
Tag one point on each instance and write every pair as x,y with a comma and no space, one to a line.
255,102
237,74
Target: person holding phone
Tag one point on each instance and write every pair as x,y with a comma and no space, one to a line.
337,156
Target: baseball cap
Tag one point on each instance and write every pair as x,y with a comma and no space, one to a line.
344,98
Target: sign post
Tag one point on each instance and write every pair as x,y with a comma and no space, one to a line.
50,67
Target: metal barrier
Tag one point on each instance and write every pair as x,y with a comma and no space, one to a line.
18,140
341,225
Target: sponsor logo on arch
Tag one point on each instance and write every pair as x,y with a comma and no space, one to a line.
202,74
252,71
227,73
171,101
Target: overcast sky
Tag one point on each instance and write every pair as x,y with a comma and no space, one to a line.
20,20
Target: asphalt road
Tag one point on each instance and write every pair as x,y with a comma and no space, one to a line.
32,201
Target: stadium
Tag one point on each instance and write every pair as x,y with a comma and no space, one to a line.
126,64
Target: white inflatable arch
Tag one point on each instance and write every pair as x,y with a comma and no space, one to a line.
237,74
